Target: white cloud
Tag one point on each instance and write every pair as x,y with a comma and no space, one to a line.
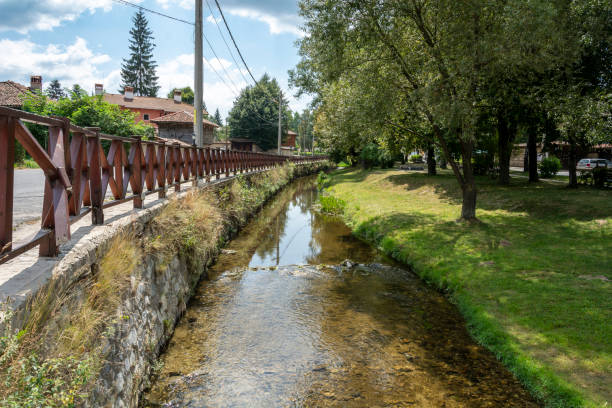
278,24
280,15
213,20
25,15
166,4
178,72
71,64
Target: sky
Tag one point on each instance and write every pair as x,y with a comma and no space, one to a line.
84,42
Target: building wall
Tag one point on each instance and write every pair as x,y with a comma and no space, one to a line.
180,132
183,132
153,114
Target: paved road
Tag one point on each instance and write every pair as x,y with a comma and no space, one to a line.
28,195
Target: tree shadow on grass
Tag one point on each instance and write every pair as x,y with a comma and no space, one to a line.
540,200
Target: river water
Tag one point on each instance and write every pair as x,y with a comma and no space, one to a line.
285,321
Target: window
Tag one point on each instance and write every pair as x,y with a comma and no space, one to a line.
146,116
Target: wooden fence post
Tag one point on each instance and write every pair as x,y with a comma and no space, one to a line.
161,170
56,208
94,150
7,162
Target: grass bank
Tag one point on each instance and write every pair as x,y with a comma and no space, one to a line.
532,280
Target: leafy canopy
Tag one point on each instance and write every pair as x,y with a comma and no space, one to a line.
254,115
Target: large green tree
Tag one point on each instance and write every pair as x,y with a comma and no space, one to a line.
138,70
255,114
369,61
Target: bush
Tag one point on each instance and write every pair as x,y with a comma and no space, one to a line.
369,156
331,204
385,159
323,181
549,167
416,158
483,163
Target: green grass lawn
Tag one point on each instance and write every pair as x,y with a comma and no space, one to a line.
533,280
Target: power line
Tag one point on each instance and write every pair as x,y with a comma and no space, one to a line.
225,41
234,41
127,3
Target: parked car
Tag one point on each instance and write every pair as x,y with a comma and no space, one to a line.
589,164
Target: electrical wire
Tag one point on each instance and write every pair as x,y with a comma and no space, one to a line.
234,41
229,49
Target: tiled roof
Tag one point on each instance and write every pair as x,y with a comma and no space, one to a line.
11,93
180,117
148,102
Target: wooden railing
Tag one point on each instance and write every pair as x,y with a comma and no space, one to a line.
79,171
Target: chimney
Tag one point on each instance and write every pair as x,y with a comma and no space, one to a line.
99,89
178,96
36,83
128,93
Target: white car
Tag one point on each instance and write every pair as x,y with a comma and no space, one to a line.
590,164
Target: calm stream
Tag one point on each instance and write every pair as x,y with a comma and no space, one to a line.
284,321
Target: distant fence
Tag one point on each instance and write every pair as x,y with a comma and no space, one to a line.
78,172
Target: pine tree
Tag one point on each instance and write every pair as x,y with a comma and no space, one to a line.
139,70
55,90
217,118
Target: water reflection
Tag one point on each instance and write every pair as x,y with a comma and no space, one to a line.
365,335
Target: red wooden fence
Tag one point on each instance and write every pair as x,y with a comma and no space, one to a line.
78,173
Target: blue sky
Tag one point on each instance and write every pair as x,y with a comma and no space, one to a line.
84,41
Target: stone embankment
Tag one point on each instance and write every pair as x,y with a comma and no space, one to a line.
112,302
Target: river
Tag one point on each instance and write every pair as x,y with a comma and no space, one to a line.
298,313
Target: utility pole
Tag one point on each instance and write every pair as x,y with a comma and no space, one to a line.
280,105
199,75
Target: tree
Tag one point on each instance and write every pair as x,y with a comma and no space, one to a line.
55,90
433,58
86,110
187,94
217,118
77,92
255,114
139,70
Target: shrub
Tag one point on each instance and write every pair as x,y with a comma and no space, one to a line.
385,159
416,158
369,156
483,162
549,167
331,204
323,180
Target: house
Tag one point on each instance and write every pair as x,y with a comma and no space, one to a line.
147,108
12,93
290,141
246,145
179,126
221,144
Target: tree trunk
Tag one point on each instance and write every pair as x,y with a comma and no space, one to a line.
571,164
532,147
468,187
431,160
526,160
504,149
468,207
